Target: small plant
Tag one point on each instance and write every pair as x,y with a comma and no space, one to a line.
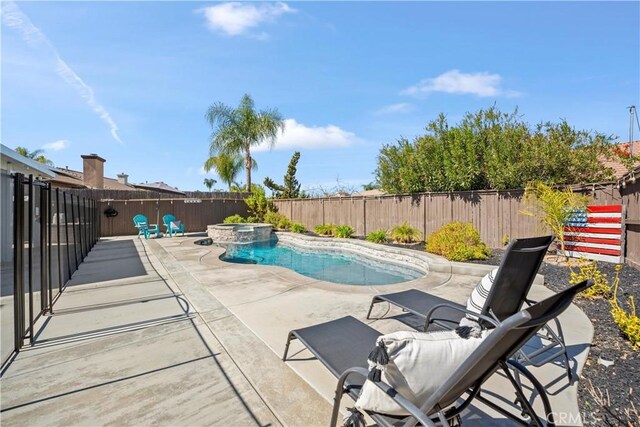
278,220
234,219
629,323
284,223
343,231
325,229
258,204
505,240
589,270
458,241
378,236
296,227
404,233
552,207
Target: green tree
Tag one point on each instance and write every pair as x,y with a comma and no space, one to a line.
490,149
37,155
209,183
236,130
226,166
291,187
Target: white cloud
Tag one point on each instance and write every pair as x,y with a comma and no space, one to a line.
296,135
14,18
58,145
479,84
402,107
237,18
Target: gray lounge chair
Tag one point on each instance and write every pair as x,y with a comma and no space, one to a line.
518,268
342,345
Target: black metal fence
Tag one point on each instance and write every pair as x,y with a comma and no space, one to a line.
46,234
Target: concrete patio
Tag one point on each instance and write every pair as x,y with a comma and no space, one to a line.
163,332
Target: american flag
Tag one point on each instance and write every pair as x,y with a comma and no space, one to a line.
595,232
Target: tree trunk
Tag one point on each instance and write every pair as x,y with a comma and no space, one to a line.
248,165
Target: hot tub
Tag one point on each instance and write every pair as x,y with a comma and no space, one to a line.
239,233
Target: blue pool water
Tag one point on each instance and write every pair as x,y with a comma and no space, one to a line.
336,267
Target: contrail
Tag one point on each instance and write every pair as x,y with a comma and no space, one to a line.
14,18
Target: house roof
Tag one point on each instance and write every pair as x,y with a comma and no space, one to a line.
29,164
370,193
76,179
159,186
619,169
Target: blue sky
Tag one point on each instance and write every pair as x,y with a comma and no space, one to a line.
131,81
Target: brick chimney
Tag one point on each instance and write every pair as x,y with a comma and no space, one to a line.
123,178
93,170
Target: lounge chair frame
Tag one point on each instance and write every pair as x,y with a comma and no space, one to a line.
493,354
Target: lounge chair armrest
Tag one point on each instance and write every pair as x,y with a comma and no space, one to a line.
416,412
530,301
487,319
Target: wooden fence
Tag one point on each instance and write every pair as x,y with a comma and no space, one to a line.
496,214
194,215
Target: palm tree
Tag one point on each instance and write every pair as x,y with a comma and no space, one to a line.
226,166
37,155
239,129
209,183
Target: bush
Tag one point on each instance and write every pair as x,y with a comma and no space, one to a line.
234,219
325,229
278,220
284,223
343,231
258,205
458,241
589,270
404,233
378,236
297,228
628,323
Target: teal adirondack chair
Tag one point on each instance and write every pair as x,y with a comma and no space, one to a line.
144,228
172,225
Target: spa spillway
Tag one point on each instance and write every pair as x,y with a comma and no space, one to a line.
239,233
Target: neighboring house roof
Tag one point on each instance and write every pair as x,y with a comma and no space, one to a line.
619,169
76,179
370,193
22,164
159,186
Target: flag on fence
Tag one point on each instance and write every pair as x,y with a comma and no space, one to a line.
595,232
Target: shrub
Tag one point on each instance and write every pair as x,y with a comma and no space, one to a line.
234,219
629,323
252,220
404,233
458,241
258,205
325,229
552,207
505,240
284,223
589,270
278,220
297,228
378,236
343,231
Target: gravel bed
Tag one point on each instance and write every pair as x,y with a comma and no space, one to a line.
620,381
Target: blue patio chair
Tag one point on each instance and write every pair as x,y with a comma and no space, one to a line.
172,225
144,228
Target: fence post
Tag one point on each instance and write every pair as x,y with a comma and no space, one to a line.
30,262
18,259
66,232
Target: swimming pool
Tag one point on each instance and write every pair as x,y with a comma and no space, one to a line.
327,265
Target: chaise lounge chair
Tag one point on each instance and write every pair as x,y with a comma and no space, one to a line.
342,346
172,225
513,279
144,228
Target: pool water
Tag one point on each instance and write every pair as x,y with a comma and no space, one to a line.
329,266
